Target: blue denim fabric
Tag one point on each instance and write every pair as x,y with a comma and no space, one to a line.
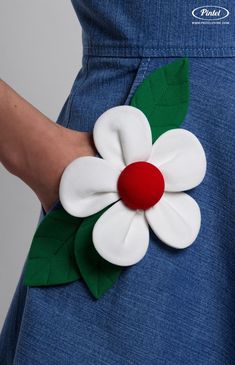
173,307
153,28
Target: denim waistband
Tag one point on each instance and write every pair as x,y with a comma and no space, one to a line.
157,28
138,51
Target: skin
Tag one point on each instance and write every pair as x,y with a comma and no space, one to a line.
36,149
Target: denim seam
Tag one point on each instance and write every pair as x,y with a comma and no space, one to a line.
74,90
139,76
132,51
157,48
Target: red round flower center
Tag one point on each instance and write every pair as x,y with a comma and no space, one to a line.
140,185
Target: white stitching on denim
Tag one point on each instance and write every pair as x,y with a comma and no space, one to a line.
140,73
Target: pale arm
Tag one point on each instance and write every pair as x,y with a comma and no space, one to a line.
34,148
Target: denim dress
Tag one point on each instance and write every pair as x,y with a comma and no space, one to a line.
172,308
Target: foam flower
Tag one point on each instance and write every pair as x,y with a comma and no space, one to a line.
143,183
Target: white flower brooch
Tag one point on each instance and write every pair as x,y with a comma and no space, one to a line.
146,181
107,203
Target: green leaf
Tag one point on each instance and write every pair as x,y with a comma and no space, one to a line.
51,258
164,97
98,274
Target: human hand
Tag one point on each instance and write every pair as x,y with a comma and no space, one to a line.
36,149
46,165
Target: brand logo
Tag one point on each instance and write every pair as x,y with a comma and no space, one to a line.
210,13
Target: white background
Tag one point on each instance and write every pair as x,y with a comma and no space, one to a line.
40,55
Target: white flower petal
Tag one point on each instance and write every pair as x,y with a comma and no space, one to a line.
121,235
88,184
175,219
181,158
122,135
